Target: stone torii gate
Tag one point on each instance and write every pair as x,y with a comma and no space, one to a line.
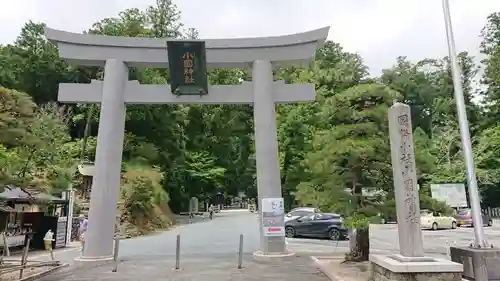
116,54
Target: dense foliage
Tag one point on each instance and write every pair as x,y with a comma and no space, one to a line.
331,151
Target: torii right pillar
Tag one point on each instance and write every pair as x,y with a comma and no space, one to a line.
267,159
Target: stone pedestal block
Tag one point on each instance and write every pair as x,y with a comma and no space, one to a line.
399,268
478,263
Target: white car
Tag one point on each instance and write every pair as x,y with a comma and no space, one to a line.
300,212
435,221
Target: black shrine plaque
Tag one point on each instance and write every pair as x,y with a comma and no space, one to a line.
188,67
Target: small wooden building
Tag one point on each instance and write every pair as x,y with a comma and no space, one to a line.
26,213
86,171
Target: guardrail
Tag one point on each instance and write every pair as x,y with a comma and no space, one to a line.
492,212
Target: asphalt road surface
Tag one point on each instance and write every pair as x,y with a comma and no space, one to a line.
208,250
384,239
220,237
205,238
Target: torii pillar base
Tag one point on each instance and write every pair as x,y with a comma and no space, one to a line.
86,261
262,257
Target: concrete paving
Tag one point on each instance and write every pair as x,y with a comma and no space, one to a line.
210,247
220,267
208,250
203,238
384,239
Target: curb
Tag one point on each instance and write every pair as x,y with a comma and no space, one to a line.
329,274
44,273
323,269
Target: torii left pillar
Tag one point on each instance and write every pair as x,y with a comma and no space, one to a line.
104,197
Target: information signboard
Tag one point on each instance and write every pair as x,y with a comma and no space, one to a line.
452,194
61,232
273,217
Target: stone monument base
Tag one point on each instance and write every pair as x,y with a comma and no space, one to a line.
479,263
262,257
400,268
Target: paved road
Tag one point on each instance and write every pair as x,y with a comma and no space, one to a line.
208,250
194,269
385,236
207,237
221,237
384,239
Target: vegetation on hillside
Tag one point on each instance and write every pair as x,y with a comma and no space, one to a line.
330,150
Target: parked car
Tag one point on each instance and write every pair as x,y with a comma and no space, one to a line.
320,225
435,221
300,212
464,217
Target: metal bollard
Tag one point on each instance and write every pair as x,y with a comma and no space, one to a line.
83,247
178,253
24,258
115,254
6,250
52,257
240,252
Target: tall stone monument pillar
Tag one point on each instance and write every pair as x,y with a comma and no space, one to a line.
405,181
411,259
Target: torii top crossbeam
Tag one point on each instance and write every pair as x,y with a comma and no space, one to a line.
94,50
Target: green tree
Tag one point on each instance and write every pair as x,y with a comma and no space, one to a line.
334,70
16,115
490,46
352,152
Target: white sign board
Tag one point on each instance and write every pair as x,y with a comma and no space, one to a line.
273,220
452,194
273,205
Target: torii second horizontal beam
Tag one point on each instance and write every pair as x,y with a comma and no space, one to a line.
136,93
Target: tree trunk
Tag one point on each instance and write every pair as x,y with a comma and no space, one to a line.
362,244
352,240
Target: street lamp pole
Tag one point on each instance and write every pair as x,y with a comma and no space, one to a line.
479,240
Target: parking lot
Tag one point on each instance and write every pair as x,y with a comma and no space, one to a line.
384,239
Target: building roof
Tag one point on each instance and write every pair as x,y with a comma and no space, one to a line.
86,169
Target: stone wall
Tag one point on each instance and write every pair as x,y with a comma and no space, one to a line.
379,273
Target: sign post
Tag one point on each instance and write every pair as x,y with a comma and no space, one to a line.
188,67
273,220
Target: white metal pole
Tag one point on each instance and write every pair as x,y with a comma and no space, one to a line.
479,239
71,199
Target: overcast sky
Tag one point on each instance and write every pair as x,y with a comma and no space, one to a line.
380,30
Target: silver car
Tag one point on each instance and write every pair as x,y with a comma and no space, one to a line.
300,212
